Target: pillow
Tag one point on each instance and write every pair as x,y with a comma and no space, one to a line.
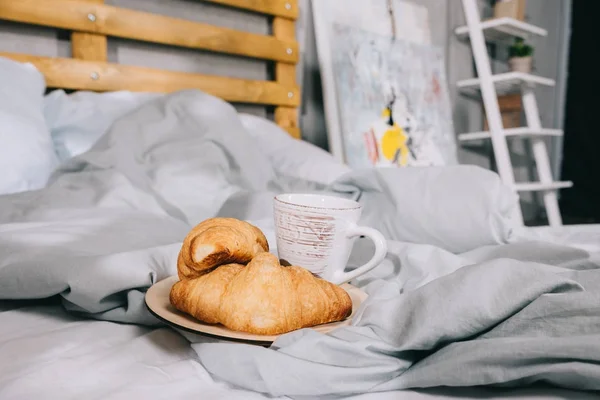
76,121
292,157
458,208
27,156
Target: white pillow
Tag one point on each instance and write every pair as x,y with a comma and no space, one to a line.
27,156
292,157
76,121
458,208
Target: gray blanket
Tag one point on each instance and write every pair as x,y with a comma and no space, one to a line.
110,224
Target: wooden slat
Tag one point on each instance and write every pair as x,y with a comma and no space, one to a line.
294,132
138,25
278,8
68,73
284,29
89,46
287,118
285,74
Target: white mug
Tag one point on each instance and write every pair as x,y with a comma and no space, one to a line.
317,232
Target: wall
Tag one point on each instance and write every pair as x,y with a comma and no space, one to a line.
312,117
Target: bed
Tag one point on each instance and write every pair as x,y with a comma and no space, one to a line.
466,304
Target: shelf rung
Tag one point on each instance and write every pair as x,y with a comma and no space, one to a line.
539,186
504,29
511,132
508,78
506,83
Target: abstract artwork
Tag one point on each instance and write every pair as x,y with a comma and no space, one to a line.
384,84
393,101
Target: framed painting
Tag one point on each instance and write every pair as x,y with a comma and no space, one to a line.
384,84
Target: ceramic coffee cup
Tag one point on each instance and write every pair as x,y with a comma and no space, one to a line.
317,232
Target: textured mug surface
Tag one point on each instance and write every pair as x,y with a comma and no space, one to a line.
317,232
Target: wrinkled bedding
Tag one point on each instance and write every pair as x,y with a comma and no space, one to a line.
514,310
584,237
48,353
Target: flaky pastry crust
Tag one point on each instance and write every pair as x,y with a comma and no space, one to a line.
219,241
263,297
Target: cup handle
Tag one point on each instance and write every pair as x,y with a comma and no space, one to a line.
380,252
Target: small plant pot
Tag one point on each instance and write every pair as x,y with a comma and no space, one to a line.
521,64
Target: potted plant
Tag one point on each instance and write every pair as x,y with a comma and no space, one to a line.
520,56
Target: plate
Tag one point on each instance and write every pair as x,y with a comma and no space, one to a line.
157,301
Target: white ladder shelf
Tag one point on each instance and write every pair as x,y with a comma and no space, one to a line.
490,86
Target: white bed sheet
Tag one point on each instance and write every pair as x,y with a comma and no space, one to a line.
585,237
43,347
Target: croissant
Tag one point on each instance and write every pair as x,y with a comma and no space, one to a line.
263,297
218,241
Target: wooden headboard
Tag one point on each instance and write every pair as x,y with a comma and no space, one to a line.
91,22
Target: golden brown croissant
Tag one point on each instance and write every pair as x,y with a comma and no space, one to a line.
263,297
218,241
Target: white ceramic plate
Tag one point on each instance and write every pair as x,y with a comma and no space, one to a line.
157,301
